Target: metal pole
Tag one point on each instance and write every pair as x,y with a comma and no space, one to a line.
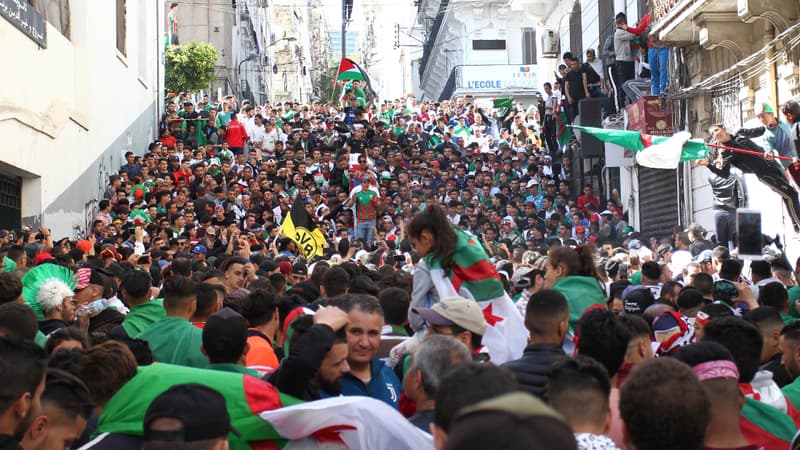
344,27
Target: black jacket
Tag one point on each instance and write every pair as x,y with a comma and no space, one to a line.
533,369
305,356
8,443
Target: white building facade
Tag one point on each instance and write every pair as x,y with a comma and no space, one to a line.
487,49
87,90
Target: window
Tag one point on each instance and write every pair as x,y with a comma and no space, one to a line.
489,44
576,30
56,12
121,26
144,12
528,46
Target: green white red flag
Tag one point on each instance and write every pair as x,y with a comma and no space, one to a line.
658,152
265,418
474,277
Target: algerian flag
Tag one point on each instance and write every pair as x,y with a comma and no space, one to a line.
245,396
265,418
563,132
658,152
765,424
474,277
354,422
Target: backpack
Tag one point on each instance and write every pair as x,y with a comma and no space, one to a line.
609,57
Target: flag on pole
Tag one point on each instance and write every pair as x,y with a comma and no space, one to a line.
563,132
349,70
474,277
658,152
301,228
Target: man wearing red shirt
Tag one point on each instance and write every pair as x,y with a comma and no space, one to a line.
588,197
235,135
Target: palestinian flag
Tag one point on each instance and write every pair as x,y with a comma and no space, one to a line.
474,277
300,227
245,396
349,70
658,152
765,425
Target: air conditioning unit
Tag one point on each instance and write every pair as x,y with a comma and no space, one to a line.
550,44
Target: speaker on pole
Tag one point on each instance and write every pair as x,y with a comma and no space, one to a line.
590,114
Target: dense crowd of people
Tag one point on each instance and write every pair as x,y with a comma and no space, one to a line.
465,291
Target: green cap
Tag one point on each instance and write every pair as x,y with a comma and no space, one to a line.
766,108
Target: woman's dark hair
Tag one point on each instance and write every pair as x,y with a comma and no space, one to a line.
579,261
434,221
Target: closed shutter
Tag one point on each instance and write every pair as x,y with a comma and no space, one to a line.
658,201
10,193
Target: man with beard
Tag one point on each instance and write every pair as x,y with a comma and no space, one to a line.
22,366
317,356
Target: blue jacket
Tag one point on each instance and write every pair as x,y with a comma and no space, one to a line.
384,385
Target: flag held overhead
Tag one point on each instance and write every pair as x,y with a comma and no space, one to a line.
300,227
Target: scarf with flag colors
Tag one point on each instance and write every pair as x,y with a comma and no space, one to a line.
474,277
657,152
765,425
299,226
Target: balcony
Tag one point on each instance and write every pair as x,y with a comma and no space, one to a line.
491,80
715,23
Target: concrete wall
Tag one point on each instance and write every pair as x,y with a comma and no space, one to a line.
67,106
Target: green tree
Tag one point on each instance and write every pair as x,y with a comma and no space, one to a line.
190,67
326,86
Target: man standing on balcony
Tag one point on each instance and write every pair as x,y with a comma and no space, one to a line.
624,65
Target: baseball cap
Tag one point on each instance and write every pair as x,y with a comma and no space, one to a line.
200,409
696,228
636,298
532,183
225,334
704,256
512,420
520,279
435,163
457,311
200,250
300,268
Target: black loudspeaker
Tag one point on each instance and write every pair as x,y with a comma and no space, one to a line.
590,114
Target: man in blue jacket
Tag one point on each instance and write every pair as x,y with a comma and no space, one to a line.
369,375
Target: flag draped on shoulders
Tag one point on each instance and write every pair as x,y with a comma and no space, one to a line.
246,397
300,227
658,152
356,422
765,425
474,277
